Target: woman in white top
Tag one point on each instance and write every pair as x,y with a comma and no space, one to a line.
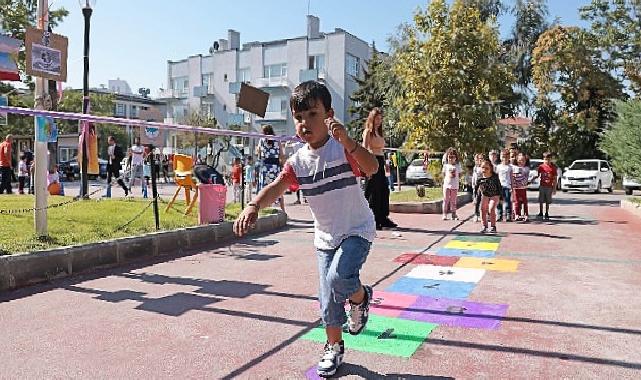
376,187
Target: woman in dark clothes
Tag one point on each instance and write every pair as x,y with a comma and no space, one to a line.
377,188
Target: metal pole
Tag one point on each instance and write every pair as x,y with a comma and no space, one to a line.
154,188
40,147
86,12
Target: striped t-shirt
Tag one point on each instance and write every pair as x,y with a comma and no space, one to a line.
327,176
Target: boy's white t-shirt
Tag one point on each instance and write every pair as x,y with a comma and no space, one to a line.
22,169
327,176
137,152
505,174
450,182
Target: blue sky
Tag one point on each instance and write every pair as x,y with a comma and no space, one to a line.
133,39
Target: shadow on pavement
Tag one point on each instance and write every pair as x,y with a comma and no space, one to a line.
348,369
464,233
585,202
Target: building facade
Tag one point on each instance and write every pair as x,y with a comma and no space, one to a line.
209,84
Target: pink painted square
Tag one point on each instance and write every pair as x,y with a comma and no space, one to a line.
426,259
390,304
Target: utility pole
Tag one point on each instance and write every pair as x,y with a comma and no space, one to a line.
40,147
84,186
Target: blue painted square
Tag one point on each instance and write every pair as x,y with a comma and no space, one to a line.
432,288
464,252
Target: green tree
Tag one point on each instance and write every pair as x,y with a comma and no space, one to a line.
488,9
623,141
371,93
616,30
17,15
452,78
198,119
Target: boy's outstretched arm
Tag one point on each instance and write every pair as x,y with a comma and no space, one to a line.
266,197
366,160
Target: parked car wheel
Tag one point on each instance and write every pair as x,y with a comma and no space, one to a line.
628,191
598,188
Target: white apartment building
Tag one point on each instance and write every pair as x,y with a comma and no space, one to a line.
210,83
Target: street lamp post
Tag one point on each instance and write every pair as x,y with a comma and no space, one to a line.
86,12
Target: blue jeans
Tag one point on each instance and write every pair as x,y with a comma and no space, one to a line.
506,194
338,271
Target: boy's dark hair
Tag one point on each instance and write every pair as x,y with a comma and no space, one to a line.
547,155
306,94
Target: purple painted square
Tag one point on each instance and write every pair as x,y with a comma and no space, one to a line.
456,313
311,374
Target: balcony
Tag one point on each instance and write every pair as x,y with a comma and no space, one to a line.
274,116
311,74
271,82
169,93
235,119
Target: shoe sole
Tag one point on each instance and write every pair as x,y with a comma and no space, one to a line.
369,292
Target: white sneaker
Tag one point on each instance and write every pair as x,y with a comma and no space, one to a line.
359,313
444,217
331,360
477,219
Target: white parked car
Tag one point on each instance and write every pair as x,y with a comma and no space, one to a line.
631,184
534,180
588,175
416,173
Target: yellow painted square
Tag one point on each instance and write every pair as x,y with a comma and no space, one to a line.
501,265
472,245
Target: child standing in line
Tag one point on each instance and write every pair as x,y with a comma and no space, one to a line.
490,187
520,176
547,187
504,170
451,180
326,170
236,174
477,173
23,174
250,179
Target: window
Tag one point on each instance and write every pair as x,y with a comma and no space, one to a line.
66,154
134,111
120,110
352,65
205,80
277,104
243,75
275,71
316,62
207,109
180,85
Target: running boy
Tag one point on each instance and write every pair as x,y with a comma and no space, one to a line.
326,169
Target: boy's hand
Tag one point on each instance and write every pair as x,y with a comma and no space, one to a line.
246,220
336,129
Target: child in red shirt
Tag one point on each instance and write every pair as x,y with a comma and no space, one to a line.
547,187
236,174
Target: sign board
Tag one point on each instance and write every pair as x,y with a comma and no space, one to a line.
46,55
252,99
4,101
151,135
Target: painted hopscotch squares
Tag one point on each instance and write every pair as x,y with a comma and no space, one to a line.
456,313
383,335
464,252
433,272
432,288
390,304
472,245
478,238
501,265
425,259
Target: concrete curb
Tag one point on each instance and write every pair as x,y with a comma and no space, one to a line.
433,207
634,208
30,268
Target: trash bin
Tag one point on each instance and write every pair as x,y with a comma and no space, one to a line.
211,205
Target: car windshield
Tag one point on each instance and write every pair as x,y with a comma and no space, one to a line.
585,165
417,163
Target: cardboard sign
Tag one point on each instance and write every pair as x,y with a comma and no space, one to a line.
46,55
253,100
151,135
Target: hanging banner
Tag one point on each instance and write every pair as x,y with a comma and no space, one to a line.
151,135
46,54
9,48
4,101
46,129
88,133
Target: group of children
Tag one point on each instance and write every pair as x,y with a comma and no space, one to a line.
498,186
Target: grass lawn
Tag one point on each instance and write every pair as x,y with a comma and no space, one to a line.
636,200
431,194
90,221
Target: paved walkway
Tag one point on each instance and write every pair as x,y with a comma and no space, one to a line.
554,299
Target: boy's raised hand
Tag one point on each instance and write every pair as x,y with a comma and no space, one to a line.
246,220
336,129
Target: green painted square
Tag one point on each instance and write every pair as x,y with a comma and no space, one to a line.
478,239
383,335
